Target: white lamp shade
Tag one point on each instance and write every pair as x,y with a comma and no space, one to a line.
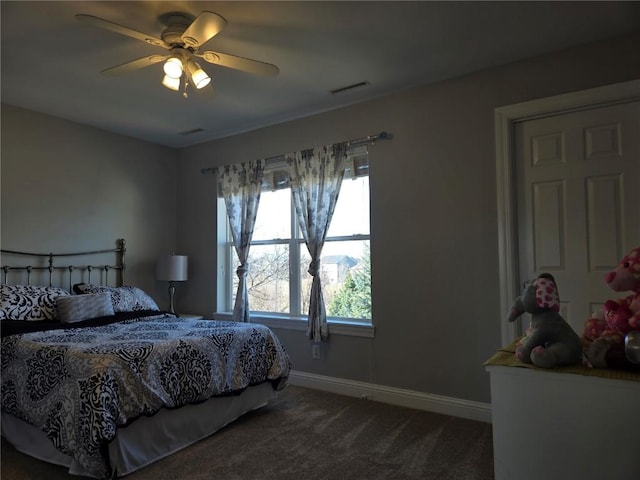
201,79
172,83
172,268
198,76
173,67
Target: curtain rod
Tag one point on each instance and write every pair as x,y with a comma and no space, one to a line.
350,144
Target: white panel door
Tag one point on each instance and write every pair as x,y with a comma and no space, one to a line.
578,181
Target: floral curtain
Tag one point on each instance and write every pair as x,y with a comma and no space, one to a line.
315,176
240,186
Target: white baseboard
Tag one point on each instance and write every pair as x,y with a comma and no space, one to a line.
395,396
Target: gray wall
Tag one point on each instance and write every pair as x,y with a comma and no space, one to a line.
434,226
68,187
433,194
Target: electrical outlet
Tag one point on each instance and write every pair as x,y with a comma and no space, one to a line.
315,351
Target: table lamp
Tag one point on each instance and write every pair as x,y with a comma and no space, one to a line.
172,268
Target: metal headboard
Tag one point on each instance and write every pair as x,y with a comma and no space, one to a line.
118,267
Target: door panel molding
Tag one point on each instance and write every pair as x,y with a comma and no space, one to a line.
548,219
604,193
505,119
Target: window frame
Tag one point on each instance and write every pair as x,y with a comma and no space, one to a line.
295,319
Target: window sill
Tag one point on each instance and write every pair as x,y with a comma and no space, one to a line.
347,328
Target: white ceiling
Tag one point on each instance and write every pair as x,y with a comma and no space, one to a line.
51,62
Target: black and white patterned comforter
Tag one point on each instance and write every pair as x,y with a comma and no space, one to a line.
79,384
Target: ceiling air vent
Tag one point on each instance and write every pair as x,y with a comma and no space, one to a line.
191,132
348,88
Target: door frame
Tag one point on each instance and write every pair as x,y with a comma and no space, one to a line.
505,119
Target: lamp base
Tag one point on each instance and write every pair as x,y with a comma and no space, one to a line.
172,293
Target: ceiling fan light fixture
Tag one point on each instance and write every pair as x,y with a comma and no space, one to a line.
198,76
182,36
171,83
173,67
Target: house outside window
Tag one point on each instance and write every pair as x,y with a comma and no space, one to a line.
278,283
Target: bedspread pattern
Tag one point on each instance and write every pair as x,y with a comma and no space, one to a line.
79,384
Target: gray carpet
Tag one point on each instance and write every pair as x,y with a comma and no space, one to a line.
312,435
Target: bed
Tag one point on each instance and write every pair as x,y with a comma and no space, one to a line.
96,378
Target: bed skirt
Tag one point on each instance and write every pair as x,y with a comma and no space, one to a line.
148,439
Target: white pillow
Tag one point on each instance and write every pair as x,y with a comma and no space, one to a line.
124,299
76,308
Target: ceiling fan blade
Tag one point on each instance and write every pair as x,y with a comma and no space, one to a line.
133,65
239,63
114,27
203,28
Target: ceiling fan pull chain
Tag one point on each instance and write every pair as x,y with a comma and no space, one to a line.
186,85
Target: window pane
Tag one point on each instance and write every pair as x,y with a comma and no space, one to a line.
346,279
351,215
274,215
305,279
267,279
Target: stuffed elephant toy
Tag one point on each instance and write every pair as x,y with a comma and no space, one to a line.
550,341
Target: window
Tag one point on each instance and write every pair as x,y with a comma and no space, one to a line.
278,283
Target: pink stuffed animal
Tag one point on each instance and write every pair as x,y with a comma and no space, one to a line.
604,334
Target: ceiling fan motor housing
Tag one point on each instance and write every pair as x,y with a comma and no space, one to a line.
173,35
176,23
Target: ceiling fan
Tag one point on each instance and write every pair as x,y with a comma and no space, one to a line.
182,36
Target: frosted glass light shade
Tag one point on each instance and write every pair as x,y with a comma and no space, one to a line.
171,83
201,79
173,67
198,76
173,268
